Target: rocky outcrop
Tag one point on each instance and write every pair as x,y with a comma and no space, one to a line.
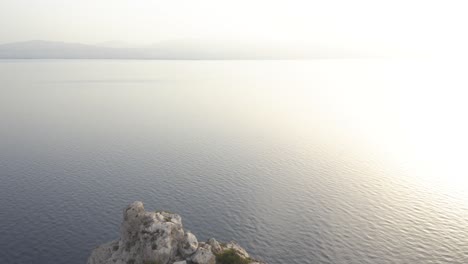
159,238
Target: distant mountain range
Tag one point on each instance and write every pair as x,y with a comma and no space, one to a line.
177,50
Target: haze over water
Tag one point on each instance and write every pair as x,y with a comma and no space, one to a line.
325,161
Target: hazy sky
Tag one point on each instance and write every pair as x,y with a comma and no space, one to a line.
418,24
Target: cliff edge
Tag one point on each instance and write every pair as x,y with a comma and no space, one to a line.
159,238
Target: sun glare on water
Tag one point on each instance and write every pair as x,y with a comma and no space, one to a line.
411,112
421,123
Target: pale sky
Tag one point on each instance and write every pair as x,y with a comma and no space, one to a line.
414,24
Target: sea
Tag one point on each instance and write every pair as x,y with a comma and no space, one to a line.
315,161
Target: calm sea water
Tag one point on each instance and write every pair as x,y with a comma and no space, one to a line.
328,161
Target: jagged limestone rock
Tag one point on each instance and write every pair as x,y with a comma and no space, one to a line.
239,250
215,246
189,245
102,253
204,255
158,237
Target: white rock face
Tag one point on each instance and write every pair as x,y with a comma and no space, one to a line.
239,250
158,237
204,255
215,246
189,245
102,253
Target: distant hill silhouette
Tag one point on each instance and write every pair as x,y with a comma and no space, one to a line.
177,49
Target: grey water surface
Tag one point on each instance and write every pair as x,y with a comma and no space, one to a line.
299,161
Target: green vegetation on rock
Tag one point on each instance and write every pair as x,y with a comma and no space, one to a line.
230,256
